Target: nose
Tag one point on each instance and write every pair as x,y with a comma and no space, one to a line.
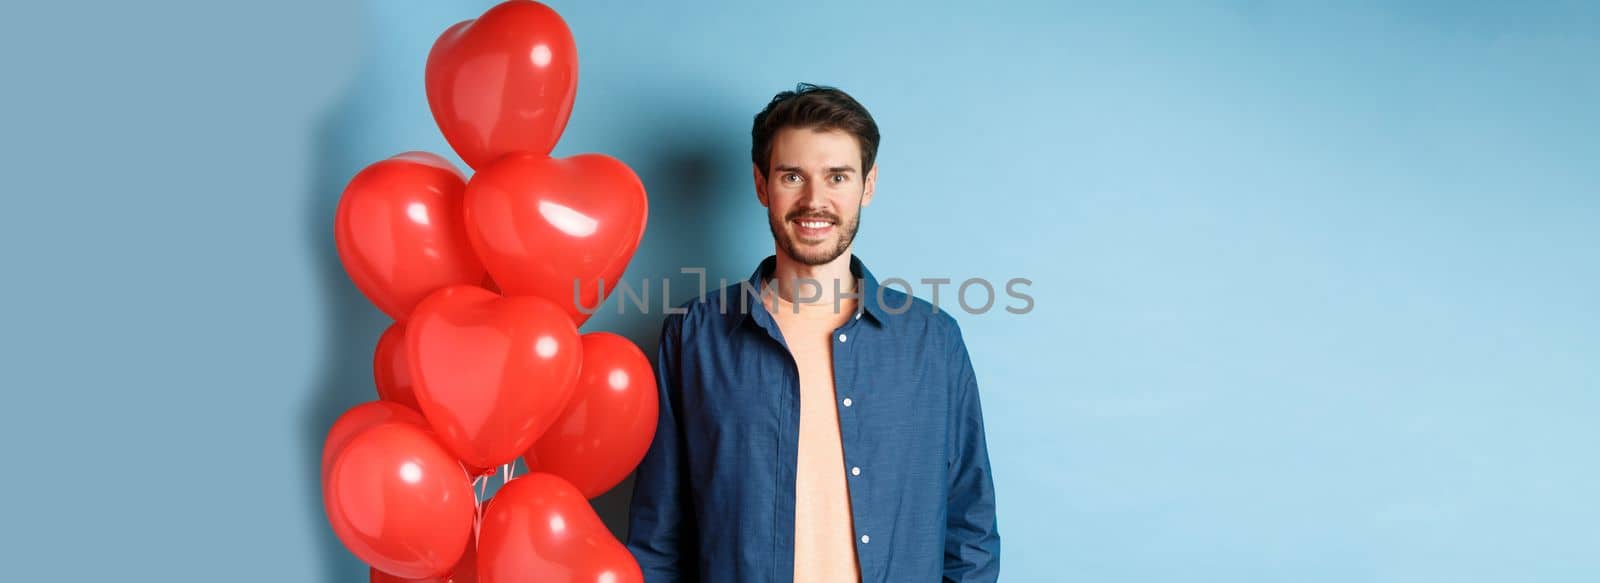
809,198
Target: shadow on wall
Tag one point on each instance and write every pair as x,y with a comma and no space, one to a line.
687,174
350,324
693,161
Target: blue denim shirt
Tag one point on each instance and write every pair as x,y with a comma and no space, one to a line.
714,498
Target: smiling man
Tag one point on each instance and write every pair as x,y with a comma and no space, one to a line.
815,426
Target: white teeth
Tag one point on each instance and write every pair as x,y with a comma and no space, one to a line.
814,224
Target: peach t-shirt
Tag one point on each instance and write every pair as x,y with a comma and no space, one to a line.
824,533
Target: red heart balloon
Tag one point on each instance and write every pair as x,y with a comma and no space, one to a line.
504,82
359,418
391,372
608,424
399,501
491,373
539,223
540,529
399,231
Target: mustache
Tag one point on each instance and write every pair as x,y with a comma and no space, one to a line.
804,215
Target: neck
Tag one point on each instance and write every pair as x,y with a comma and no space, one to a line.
794,279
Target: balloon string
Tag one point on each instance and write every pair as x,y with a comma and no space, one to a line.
477,520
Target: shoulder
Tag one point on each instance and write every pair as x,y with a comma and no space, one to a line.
914,316
709,311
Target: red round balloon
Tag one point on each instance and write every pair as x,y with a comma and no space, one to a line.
504,82
390,370
540,223
359,418
491,373
399,231
608,424
399,501
540,529
465,571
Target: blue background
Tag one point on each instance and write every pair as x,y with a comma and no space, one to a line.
1316,285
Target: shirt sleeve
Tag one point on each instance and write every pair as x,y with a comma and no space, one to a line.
661,530
972,539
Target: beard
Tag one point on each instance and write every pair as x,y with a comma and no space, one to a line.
812,254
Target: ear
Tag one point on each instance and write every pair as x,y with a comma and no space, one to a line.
871,184
761,184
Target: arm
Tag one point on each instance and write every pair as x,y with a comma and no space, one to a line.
661,532
972,536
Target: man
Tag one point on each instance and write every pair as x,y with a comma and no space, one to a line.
815,426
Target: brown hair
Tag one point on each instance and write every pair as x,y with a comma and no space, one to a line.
813,107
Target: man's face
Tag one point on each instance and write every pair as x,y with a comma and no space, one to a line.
814,193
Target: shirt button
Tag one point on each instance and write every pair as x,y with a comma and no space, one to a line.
865,539
856,471
847,401
858,315
841,338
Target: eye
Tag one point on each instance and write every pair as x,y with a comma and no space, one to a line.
841,178
786,177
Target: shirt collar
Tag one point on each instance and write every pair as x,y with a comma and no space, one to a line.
869,300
